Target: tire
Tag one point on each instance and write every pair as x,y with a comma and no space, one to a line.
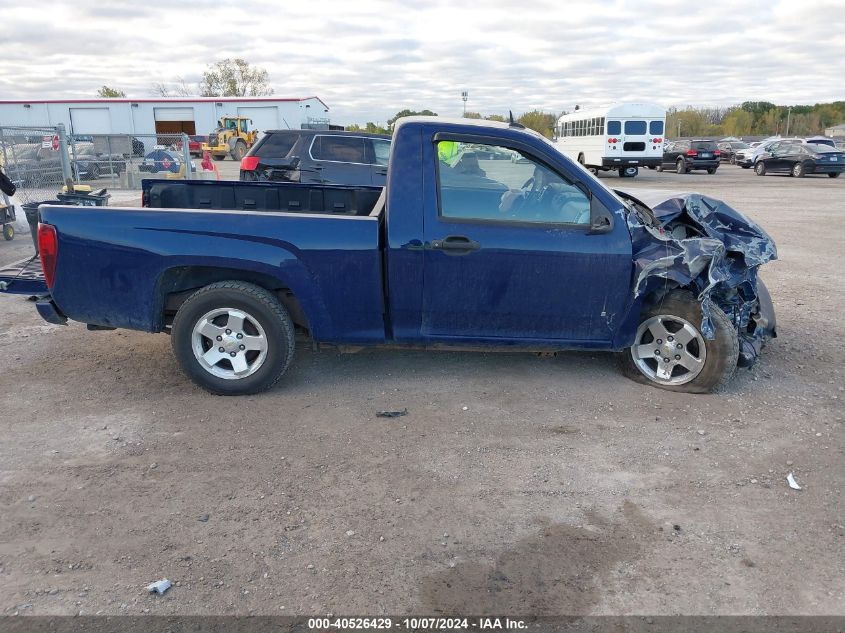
681,167
239,151
630,172
659,168
834,175
760,168
255,316
95,173
718,357
711,171
8,232
798,170
219,156
746,166
732,160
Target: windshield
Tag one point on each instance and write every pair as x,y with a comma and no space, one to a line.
86,151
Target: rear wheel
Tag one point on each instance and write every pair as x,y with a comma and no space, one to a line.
711,171
733,160
233,338
798,170
670,351
760,168
836,175
659,168
8,232
681,166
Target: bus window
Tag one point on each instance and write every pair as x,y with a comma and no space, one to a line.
635,127
655,127
614,128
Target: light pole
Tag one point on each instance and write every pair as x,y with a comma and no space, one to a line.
788,113
464,97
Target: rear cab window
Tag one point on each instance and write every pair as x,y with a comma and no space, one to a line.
655,127
614,127
381,151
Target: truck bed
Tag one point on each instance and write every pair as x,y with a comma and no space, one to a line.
260,196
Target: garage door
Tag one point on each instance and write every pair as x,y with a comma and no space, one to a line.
174,120
90,121
263,118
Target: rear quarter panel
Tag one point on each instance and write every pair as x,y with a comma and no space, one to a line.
111,262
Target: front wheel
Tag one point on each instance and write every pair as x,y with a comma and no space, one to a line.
8,232
233,338
681,167
659,168
670,351
760,168
239,151
711,171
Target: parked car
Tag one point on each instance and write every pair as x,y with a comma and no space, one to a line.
33,165
195,142
800,159
728,150
439,257
91,164
160,160
686,155
319,157
745,157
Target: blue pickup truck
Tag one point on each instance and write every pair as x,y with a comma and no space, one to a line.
457,251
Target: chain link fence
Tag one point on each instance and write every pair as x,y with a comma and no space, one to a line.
33,159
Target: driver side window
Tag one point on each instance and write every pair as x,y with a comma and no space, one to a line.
493,183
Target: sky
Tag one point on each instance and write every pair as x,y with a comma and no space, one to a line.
368,59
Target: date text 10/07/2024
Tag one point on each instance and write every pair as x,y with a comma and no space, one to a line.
416,624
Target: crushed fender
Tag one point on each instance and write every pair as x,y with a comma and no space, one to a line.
705,245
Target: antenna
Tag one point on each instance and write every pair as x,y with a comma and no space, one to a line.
514,123
510,115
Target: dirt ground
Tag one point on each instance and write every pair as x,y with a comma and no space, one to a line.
514,484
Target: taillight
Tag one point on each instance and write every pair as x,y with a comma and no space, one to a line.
249,163
48,250
717,153
692,152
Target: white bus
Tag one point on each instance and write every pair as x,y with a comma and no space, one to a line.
623,136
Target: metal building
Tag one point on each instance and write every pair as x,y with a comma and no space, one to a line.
191,115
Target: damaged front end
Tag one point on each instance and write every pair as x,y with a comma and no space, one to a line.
696,242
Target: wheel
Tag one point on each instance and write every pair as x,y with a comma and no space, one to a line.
631,172
8,232
760,168
746,166
239,151
94,174
233,338
659,168
670,352
798,170
836,175
732,160
219,156
681,166
711,171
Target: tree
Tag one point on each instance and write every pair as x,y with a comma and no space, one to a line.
405,113
234,78
496,117
472,115
738,123
106,92
542,122
177,88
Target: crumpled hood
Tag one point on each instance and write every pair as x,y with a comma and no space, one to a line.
706,245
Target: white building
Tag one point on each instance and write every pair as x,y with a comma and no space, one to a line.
837,131
191,115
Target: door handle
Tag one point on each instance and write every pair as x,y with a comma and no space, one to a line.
455,245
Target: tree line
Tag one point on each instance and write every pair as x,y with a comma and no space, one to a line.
755,118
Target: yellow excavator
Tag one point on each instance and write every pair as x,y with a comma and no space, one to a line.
232,137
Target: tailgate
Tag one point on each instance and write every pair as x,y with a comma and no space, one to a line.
23,278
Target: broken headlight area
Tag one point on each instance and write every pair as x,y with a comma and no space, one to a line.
707,246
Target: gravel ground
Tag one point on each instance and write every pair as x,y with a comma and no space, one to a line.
514,484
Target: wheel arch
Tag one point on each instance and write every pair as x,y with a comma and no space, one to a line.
178,283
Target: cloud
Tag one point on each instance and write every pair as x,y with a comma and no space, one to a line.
369,59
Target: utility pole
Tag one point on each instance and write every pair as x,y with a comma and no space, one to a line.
464,97
788,112
679,128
